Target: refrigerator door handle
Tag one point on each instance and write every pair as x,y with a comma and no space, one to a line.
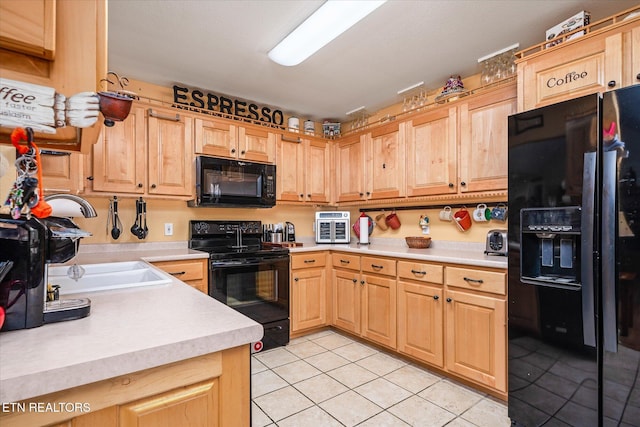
608,251
586,255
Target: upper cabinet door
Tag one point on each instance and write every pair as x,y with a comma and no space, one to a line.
170,153
317,173
350,167
215,137
257,145
385,159
484,140
290,174
120,156
431,153
29,27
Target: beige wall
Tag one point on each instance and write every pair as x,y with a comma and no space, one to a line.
160,212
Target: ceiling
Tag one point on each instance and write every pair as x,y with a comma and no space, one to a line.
221,46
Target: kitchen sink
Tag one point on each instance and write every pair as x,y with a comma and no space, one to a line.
107,276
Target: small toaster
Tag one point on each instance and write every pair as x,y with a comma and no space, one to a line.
496,243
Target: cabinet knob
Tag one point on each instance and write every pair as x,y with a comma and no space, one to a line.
301,195
355,280
242,152
295,279
368,193
611,83
90,178
638,76
309,196
233,150
463,183
361,194
436,297
449,299
139,185
451,185
153,186
362,282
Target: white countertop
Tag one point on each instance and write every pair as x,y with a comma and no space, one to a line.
128,330
444,252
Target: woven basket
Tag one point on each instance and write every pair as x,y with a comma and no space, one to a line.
418,242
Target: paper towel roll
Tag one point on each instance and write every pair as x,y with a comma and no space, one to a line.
364,229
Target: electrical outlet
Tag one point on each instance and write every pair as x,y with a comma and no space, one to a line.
168,229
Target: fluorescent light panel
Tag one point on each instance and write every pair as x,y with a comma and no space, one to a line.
359,109
407,89
332,19
498,52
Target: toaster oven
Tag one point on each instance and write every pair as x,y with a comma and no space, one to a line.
333,227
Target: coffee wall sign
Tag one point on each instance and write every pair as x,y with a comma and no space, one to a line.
43,109
186,98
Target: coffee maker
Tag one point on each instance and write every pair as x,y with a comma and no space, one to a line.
28,245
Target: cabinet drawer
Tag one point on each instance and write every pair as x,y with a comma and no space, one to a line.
313,259
184,270
479,280
379,266
420,271
342,260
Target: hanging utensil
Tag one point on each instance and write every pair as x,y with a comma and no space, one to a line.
116,225
144,215
135,228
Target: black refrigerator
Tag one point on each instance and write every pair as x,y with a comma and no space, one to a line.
574,262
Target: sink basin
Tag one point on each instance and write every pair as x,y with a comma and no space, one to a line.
107,276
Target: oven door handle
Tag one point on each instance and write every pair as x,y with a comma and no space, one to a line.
249,262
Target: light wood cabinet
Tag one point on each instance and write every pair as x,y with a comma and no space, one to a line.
223,138
194,272
432,153
364,297
309,291
484,140
62,171
194,405
461,147
385,160
209,390
303,172
475,326
57,44
29,27
170,157
602,60
349,169
420,311
150,153
371,166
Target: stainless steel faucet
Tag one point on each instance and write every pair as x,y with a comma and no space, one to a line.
86,208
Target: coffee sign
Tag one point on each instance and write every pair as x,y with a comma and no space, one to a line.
183,97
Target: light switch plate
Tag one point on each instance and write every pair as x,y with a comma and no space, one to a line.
168,229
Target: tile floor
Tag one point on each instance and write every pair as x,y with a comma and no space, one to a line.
328,379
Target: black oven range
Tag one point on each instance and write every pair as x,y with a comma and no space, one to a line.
246,276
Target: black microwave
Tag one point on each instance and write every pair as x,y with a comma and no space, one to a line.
232,183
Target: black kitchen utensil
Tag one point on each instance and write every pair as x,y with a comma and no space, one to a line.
135,228
145,229
116,225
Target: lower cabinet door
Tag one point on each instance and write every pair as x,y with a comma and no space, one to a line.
379,310
308,299
420,322
193,406
476,338
346,300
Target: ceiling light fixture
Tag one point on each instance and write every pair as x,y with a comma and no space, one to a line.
410,88
332,19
